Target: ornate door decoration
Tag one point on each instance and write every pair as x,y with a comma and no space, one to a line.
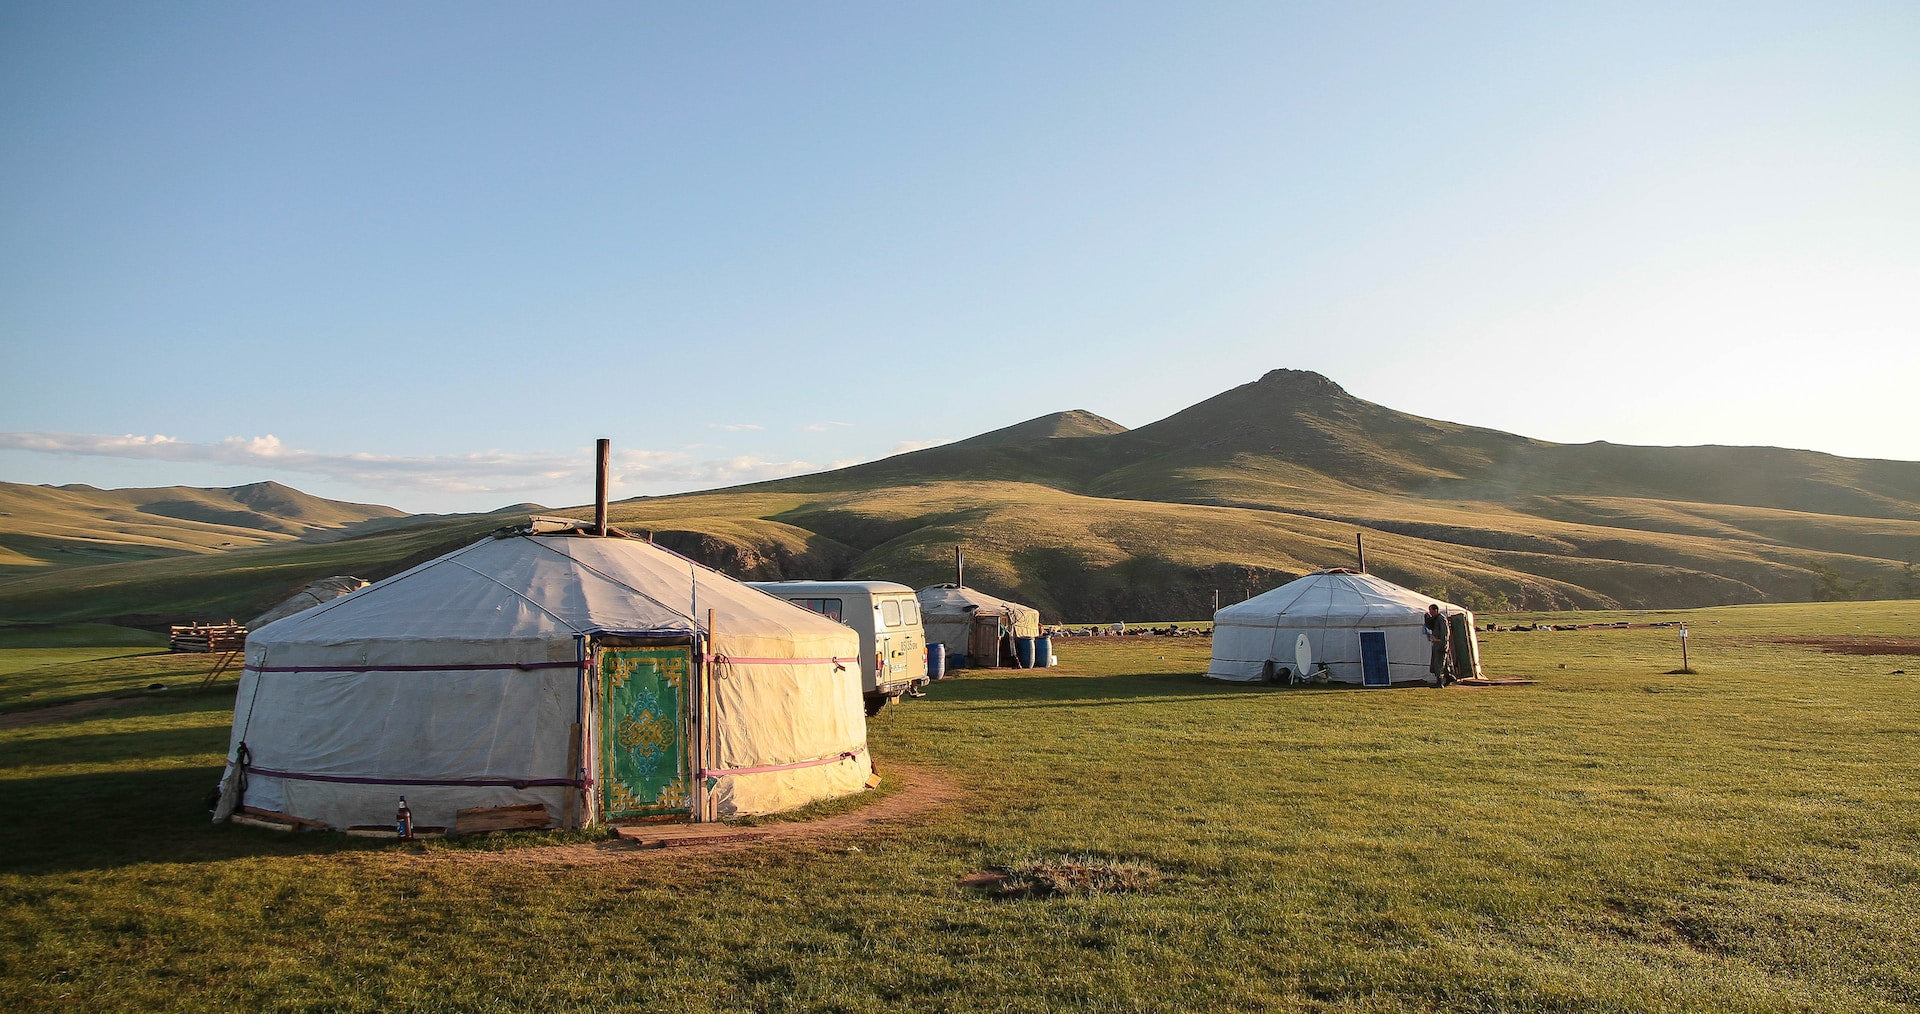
643,755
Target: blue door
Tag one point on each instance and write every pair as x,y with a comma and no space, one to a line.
1373,659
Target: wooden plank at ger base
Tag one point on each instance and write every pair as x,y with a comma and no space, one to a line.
482,819
659,836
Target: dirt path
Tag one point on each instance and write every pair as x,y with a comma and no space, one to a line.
926,790
60,712
1857,644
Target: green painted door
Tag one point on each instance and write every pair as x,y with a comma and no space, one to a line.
643,732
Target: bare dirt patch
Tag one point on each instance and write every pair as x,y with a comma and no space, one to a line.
925,791
1857,644
1065,876
60,712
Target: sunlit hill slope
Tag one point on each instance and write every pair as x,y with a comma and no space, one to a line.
1092,521
76,525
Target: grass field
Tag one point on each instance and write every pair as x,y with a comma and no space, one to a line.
1612,838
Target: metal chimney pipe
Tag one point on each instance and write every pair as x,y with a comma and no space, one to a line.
603,452
1361,549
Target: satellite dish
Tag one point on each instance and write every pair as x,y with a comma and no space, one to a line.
1302,656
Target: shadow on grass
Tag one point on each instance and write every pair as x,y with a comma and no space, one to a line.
69,823
1105,691
123,703
135,813
128,749
112,655
19,698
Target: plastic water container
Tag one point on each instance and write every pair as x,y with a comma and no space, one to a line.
957,660
936,660
1043,651
1023,650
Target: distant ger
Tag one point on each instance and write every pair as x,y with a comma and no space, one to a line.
1337,626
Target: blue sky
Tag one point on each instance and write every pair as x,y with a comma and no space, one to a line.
424,254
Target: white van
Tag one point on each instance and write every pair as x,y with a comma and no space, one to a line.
893,644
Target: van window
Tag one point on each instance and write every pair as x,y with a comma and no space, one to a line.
829,608
910,610
890,612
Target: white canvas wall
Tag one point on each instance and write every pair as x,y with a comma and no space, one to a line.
468,668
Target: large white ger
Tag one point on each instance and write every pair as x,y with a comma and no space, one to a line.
1355,627
598,677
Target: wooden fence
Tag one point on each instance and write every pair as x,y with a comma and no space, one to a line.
205,637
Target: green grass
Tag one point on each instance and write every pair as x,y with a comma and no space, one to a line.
52,665
1609,839
38,677
79,635
41,666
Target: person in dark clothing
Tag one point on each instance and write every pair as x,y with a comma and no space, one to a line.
1436,624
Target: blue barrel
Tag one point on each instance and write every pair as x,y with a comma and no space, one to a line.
957,660
1043,651
1023,650
936,660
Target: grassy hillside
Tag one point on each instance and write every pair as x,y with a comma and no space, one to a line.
1491,516
236,584
50,527
1098,558
1094,522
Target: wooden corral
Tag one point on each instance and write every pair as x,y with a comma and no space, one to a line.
207,637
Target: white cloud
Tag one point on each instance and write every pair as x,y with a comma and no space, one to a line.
634,472
689,474
822,427
734,427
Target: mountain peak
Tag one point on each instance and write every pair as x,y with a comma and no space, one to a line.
1306,420
1298,382
269,497
1075,423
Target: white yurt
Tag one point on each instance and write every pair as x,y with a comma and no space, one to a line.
972,623
316,593
1339,625
544,670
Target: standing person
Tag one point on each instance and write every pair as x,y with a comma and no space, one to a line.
1436,624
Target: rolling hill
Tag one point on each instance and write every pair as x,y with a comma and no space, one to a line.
1490,516
77,525
1093,521
234,583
